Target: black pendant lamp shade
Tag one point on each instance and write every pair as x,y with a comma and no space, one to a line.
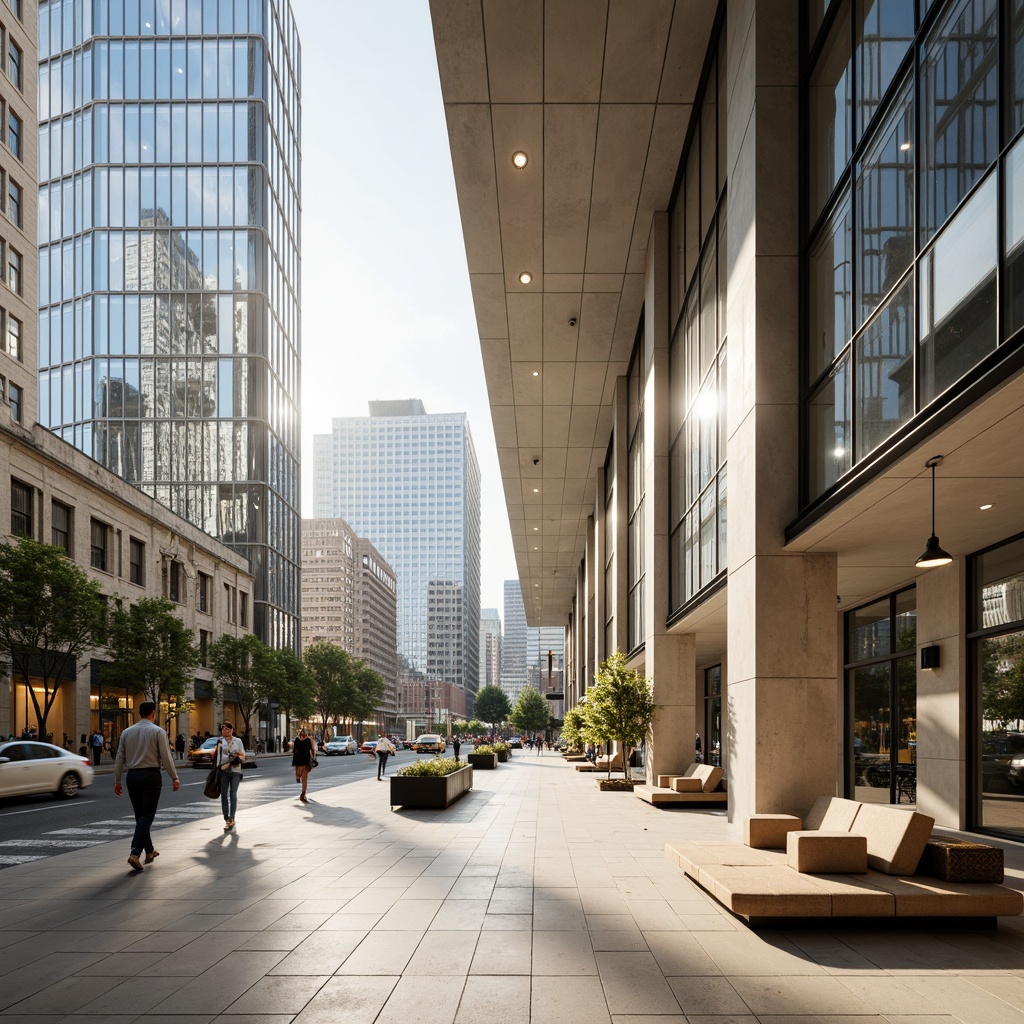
933,554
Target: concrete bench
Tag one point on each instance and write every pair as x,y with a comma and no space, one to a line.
699,784
844,860
602,764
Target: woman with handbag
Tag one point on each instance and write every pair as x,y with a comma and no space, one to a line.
228,758
302,761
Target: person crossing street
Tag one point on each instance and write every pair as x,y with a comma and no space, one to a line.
383,748
142,751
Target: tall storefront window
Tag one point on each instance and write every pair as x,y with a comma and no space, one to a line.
997,650
610,645
697,356
881,689
902,257
711,743
635,494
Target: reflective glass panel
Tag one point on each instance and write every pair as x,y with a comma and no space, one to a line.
958,295
828,425
1013,279
829,112
1001,747
830,290
885,31
999,588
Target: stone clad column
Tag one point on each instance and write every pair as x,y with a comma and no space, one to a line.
781,705
669,658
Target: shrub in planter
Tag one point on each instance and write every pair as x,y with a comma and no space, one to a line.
616,785
503,751
435,783
483,757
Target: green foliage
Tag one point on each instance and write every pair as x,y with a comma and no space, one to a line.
532,712
502,748
250,669
573,726
1002,679
294,691
432,767
485,748
492,705
334,691
50,614
619,707
151,650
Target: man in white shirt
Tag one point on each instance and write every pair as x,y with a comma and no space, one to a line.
383,748
143,750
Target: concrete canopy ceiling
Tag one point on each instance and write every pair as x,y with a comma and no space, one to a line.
598,95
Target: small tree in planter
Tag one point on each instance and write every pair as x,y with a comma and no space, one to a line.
619,707
572,728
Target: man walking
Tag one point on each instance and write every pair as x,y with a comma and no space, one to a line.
96,741
143,750
383,748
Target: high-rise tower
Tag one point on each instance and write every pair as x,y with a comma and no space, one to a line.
169,265
409,481
513,642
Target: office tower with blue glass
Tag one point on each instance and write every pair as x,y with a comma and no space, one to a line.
409,481
169,155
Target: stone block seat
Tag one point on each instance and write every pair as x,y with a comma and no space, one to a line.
846,861
602,764
699,784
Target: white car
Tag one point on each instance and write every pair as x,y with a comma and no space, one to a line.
28,766
341,745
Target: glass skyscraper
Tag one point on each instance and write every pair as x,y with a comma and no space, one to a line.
169,153
409,481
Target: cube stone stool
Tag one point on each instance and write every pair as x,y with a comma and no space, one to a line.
768,831
827,853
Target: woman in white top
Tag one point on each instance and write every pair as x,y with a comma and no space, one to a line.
383,748
228,757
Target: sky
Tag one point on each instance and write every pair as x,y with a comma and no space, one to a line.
386,305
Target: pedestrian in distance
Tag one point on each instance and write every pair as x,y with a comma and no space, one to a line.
455,745
383,748
302,757
142,751
228,757
179,746
96,742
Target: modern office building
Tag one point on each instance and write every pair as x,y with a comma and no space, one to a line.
513,642
545,645
169,156
409,482
350,598
747,277
490,647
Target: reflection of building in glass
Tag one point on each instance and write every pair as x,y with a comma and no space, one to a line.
409,482
169,270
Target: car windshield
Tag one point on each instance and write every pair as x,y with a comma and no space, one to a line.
209,744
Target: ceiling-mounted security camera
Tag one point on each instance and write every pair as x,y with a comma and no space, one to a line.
572,321
536,462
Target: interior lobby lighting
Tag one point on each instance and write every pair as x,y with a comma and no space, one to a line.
933,554
519,159
904,146
525,277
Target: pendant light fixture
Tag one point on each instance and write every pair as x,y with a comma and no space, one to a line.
933,554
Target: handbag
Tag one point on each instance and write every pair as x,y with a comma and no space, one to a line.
313,763
212,787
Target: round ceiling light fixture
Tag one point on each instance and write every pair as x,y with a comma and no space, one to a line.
519,159
525,277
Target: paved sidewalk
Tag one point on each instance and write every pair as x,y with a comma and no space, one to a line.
533,900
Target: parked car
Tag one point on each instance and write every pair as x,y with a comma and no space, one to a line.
1002,761
516,742
340,745
406,744
202,756
29,766
369,746
429,743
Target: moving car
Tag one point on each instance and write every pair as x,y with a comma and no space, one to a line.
369,746
516,742
29,766
340,745
429,743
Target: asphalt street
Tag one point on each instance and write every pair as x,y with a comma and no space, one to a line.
32,828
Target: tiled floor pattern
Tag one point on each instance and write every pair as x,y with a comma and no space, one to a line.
534,900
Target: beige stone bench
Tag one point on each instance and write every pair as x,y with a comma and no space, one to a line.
820,872
699,784
602,764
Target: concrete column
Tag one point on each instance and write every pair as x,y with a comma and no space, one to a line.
781,703
941,697
669,659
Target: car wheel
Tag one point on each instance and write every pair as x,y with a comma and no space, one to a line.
69,786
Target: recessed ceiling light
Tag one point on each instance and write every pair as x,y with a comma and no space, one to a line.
525,277
536,373
536,528
985,508
536,490
519,159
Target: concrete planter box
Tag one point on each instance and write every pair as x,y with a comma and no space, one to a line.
412,791
503,756
483,760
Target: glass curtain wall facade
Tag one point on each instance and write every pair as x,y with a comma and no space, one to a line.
915,207
697,354
635,379
169,152
997,653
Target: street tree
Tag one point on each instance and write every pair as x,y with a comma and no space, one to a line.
152,652
294,693
369,692
491,705
333,682
572,727
248,671
531,714
619,707
50,614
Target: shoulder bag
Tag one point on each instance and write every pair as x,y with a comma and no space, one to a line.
212,787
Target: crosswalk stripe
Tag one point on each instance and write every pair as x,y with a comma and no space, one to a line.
9,859
43,841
